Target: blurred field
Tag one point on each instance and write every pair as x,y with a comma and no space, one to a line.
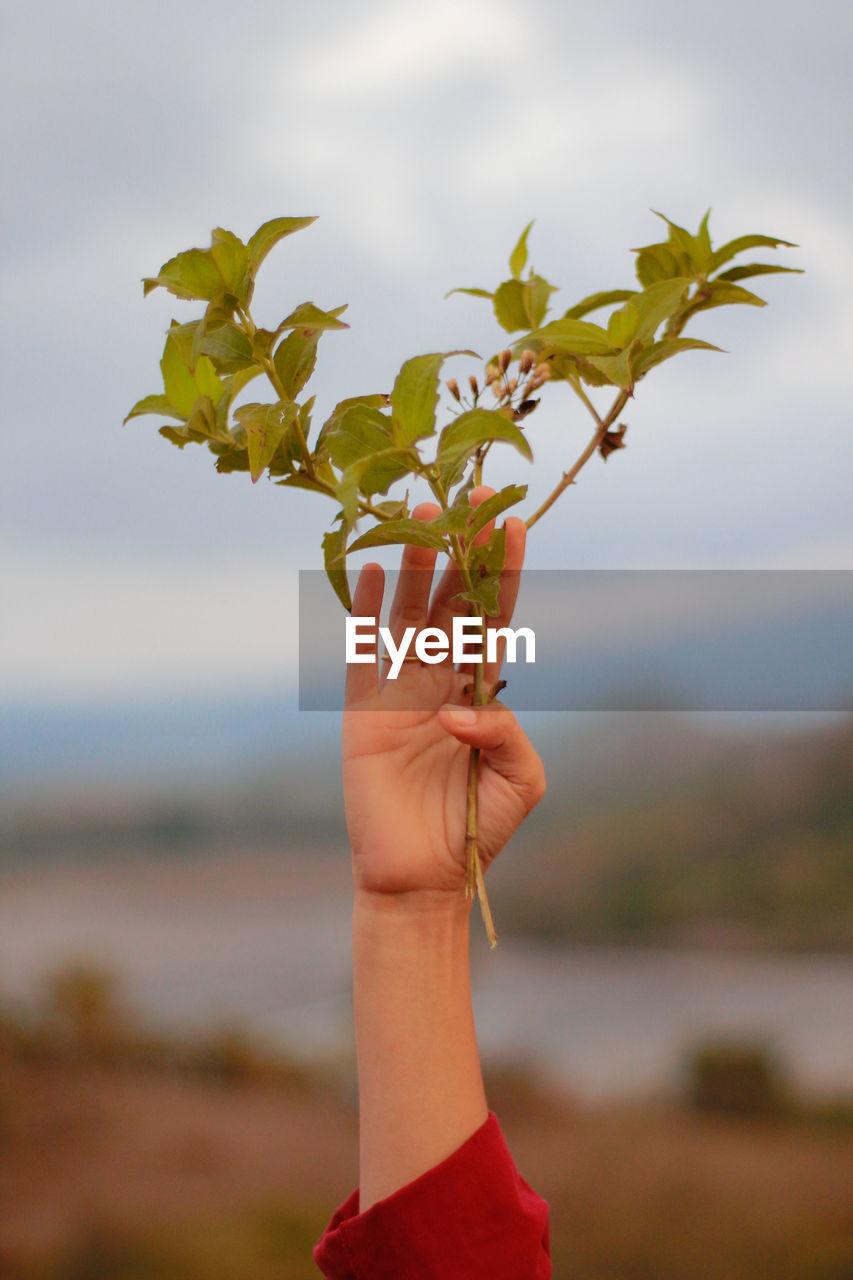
124,1159
196,1149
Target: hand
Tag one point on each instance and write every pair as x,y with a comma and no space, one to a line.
405,742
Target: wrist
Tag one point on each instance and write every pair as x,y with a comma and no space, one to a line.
425,911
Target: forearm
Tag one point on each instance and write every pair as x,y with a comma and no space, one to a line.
420,1084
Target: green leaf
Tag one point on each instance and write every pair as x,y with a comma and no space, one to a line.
757,269
453,520
730,250
183,387
160,405
657,303
510,309
187,339
415,396
371,402
622,325
657,262
334,556
385,468
299,480
536,294
721,293
202,420
696,248
518,257
177,435
575,337
189,275
232,259
486,565
231,455
479,517
475,293
486,593
307,316
462,437
228,347
207,380
269,235
596,300
294,360
617,369
181,390
664,350
234,384
265,426
415,533
360,431
703,236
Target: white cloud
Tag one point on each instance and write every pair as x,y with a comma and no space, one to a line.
402,48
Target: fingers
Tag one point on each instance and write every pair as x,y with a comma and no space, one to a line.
414,581
503,744
362,678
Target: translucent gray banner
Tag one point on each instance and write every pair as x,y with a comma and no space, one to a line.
608,640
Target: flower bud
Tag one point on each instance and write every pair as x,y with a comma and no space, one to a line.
474,385
504,360
528,359
492,374
453,387
512,386
542,372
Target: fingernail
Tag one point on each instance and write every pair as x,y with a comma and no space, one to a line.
461,715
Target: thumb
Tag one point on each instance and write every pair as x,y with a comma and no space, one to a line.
503,745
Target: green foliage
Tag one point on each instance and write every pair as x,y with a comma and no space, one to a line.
371,443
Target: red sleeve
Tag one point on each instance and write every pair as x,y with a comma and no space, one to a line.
472,1216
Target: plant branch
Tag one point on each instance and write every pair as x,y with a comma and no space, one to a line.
474,880
604,425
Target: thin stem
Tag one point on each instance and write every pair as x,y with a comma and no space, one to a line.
474,880
604,425
581,394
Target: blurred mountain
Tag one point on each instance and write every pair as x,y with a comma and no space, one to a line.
660,832
656,828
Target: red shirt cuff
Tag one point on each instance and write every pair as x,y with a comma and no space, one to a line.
471,1216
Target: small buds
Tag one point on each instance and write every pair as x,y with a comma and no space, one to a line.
540,374
474,385
504,360
492,374
527,361
512,386
453,387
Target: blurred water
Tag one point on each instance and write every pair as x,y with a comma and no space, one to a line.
266,942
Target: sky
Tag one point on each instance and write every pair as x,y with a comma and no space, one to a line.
425,137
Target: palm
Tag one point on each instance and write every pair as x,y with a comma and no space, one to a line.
404,773
415,838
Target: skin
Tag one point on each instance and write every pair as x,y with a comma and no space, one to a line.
405,752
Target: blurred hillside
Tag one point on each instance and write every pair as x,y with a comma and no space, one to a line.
655,829
657,832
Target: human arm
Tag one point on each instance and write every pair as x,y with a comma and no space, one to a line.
422,1104
420,1084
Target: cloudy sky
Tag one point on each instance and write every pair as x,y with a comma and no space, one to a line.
424,136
